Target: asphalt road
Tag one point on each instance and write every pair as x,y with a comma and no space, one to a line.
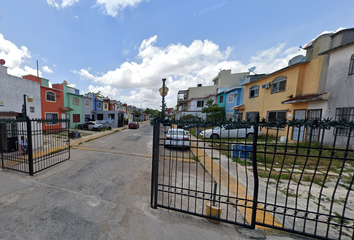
102,192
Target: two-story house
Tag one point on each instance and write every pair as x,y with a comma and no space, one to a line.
285,94
338,50
193,100
72,103
52,103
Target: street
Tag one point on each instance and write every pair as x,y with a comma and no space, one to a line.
102,192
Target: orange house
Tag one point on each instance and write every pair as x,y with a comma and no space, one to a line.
52,103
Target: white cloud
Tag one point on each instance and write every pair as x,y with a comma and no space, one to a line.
72,85
183,66
15,58
105,90
114,7
47,69
61,3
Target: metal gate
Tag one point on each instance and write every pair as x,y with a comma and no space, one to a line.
254,179
32,145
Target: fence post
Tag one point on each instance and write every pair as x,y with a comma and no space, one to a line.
155,163
255,173
29,143
1,144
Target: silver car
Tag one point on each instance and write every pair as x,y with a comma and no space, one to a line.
91,125
229,132
177,137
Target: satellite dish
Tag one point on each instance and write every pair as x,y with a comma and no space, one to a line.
252,69
296,59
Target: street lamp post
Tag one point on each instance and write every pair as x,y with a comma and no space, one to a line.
163,93
141,107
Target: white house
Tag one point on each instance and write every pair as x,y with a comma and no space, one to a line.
339,82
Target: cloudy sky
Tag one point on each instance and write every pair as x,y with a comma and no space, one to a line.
125,47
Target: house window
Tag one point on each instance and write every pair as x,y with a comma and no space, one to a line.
252,116
254,91
200,104
99,105
76,118
279,84
50,96
221,99
231,97
87,103
351,66
238,117
76,101
32,109
344,114
99,116
112,107
53,116
276,116
112,116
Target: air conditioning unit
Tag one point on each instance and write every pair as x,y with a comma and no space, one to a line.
265,86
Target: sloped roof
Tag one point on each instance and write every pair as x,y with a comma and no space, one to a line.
307,98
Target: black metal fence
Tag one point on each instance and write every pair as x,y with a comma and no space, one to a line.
32,145
270,174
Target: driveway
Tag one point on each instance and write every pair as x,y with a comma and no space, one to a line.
102,192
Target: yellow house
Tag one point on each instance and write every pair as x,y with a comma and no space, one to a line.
105,106
285,94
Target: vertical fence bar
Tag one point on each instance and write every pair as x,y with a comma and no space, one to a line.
1,144
30,147
155,163
255,175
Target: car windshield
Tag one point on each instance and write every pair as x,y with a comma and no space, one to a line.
176,132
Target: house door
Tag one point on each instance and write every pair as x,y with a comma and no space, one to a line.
314,133
298,132
63,124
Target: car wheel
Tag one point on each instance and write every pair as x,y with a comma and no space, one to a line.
129,127
214,136
249,135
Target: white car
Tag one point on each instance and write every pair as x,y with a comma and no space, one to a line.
229,132
177,137
91,125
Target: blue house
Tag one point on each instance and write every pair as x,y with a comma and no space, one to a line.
221,97
233,103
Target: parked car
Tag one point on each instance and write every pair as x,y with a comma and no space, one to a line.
133,125
106,126
91,125
177,137
229,132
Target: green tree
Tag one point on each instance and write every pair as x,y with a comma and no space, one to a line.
213,111
136,113
190,117
97,94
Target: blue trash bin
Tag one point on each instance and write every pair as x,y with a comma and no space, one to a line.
241,151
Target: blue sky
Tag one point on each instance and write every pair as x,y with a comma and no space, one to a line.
125,47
